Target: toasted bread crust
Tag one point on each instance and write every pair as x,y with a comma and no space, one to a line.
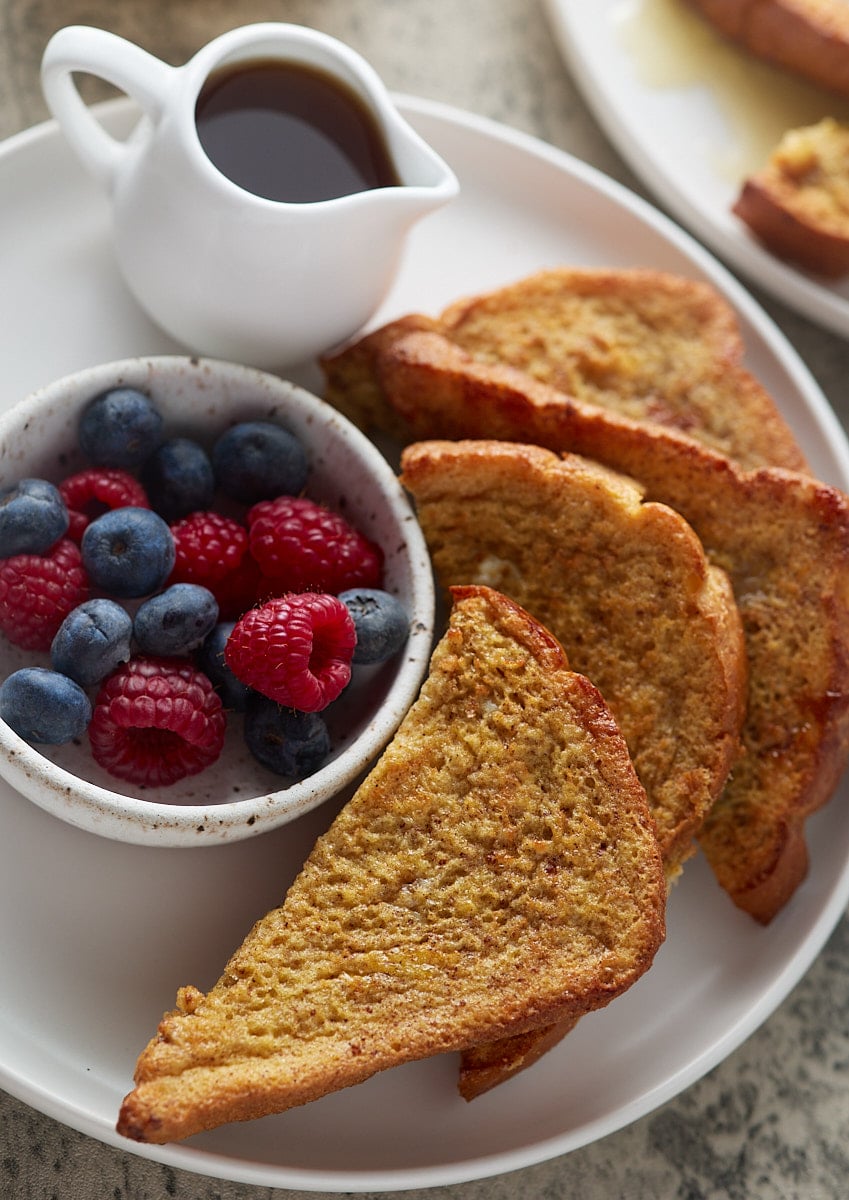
484,1066
808,37
496,872
783,539
796,615
647,345
350,378
626,588
798,205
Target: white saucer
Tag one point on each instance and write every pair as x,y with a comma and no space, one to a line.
101,934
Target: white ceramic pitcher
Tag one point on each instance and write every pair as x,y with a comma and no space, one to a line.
228,273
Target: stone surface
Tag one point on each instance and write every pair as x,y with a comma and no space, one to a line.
772,1121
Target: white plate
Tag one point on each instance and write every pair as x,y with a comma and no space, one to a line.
97,935
693,114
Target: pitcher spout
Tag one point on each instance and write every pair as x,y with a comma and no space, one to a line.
427,181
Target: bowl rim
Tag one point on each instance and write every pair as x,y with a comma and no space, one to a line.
93,807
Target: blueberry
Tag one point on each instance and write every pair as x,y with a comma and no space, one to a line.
287,742
258,460
178,478
210,659
44,706
381,623
175,621
33,517
120,428
128,552
92,640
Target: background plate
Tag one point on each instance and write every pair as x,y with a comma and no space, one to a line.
693,115
96,936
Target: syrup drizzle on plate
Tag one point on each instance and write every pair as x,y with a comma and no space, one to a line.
672,47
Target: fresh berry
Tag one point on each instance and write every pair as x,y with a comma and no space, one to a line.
155,721
120,428
43,706
212,550
176,621
256,460
289,743
128,552
302,546
295,649
37,591
381,622
255,603
179,478
33,517
210,659
242,589
92,640
90,493
207,546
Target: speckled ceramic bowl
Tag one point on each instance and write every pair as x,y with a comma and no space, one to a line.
236,798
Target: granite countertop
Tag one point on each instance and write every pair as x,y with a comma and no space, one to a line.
772,1121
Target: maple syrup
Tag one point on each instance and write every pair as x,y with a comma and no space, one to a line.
290,132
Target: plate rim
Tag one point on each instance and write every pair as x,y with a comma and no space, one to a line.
816,301
217,1165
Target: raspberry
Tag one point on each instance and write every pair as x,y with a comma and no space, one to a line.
37,591
295,649
241,589
208,547
212,551
92,492
156,721
301,546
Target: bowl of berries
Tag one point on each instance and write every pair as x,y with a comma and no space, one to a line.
216,604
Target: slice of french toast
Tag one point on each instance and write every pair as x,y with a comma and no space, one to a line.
783,539
808,37
798,203
624,586
497,871
648,345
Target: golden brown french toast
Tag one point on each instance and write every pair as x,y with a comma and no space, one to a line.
795,732
648,345
624,586
808,37
351,381
627,590
783,539
798,204
496,871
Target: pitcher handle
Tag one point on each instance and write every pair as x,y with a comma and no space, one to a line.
140,75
